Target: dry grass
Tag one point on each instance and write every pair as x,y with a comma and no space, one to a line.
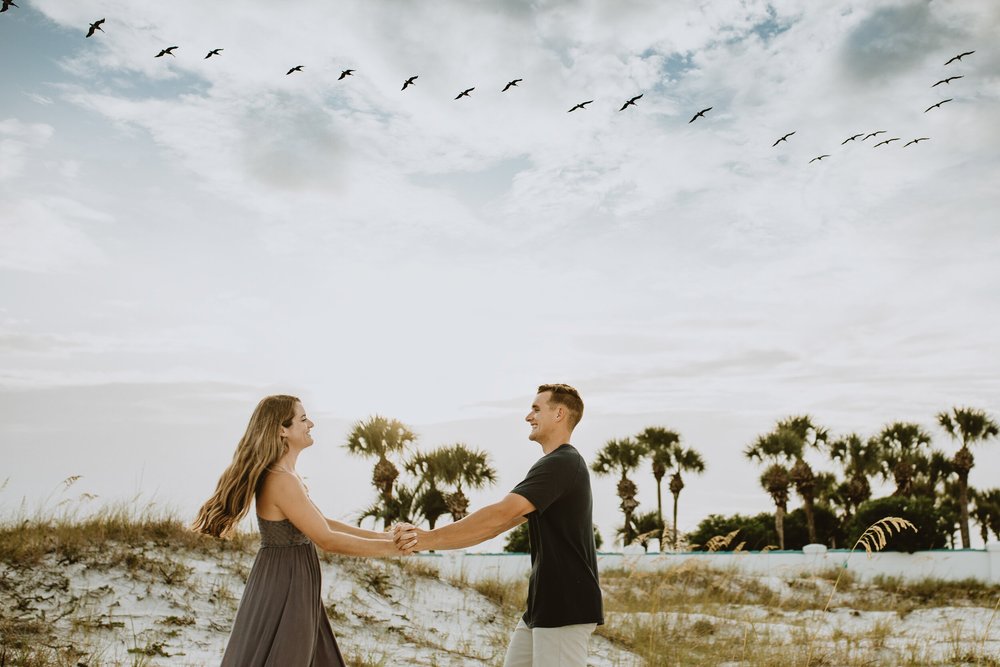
688,615
695,616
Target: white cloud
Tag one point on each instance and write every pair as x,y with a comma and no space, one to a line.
48,234
17,140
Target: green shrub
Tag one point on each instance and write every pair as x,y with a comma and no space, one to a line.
918,511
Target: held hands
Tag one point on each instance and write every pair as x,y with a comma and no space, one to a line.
405,536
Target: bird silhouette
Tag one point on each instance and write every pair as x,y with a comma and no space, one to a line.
169,51
408,82
297,68
581,105
873,134
700,114
958,57
213,52
915,141
933,106
818,158
7,4
631,102
346,72
784,138
948,80
509,84
887,141
465,93
96,25
852,138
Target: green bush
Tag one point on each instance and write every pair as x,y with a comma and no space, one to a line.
918,511
829,528
757,530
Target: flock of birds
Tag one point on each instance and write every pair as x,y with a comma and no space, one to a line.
885,142
169,51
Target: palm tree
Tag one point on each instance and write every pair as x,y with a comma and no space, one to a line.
379,437
429,500
801,474
685,460
987,512
660,444
622,456
968,426
780,448
859,461
400,508
902,448
461,464
784,448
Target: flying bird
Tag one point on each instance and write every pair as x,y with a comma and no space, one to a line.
631,102
818,158
408,82
581,105
169,51
948,80
465,93
853,138
346,72
213,52
937,105
7,4
700,114
509,84
297,68
96,25
784,138
916,141
887,141
958,57
873,134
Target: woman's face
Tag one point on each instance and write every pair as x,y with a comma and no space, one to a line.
297,435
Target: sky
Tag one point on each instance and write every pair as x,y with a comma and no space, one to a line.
181,236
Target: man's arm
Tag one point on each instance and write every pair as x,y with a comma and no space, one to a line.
479,526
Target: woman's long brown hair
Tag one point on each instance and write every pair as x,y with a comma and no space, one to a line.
260,447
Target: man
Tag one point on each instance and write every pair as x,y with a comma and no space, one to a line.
564,596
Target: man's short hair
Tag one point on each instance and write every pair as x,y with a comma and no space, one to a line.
566,396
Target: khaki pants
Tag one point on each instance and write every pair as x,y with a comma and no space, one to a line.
549,647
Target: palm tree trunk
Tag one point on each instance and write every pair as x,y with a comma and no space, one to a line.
963,508
674,527
779,525
659,505
626,491
807,506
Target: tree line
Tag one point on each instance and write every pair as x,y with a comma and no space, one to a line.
931,487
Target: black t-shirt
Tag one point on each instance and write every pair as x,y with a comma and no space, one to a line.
563,588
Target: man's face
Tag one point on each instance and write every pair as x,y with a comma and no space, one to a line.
542,417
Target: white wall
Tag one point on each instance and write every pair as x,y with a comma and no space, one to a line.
951,565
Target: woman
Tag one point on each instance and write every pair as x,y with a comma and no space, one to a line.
281,619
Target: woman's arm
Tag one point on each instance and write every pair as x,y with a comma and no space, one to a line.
288,494
341,527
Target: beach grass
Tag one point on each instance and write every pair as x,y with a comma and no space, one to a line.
60,609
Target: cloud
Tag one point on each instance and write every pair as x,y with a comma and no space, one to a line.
893,40
49,234
17,139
